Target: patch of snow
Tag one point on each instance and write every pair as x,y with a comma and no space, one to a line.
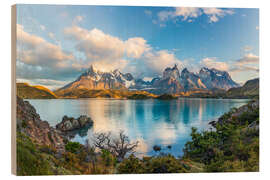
148,79
129,83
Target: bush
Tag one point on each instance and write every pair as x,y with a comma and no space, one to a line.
232,147
159,164
73,147
107,158
29,160
131,165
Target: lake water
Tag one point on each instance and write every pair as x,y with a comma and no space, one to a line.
151,122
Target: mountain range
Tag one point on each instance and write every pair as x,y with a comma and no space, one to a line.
172,81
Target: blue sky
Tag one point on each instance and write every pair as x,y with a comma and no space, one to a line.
56,43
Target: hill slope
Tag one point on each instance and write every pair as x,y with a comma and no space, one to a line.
26,91
103,93
249,89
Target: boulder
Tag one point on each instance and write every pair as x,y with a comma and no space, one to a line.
70,123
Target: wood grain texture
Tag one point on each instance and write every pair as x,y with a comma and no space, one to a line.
13,88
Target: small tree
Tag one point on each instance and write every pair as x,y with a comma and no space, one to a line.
118,146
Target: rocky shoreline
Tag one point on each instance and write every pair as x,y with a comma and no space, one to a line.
71,124
40,132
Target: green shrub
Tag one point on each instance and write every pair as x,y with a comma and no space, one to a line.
156,164
107,158
29,160
73,147
232,147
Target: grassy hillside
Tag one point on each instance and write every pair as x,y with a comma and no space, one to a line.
27,91
249,89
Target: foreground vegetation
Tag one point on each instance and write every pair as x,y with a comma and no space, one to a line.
231,145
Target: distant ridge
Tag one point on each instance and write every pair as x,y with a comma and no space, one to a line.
249,89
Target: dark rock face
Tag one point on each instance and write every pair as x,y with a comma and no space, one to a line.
29,122
71,124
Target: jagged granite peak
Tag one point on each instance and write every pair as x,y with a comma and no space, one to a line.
214,78
171,81
191,81
93,78
171,73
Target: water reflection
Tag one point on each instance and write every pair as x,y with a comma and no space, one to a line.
151,122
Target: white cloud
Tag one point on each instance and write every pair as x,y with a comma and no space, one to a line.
135,47
245,68
215,13
248,59
40,59
105,50
95,44
34,50
189,13
42,27
213,63
157,61
51,35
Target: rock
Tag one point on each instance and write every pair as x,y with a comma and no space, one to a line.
71,124
213,123
40,132
254,125
156,148
83,120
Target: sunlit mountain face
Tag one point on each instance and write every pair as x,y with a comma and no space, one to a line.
171,82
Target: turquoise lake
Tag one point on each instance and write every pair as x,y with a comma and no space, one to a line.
151,122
